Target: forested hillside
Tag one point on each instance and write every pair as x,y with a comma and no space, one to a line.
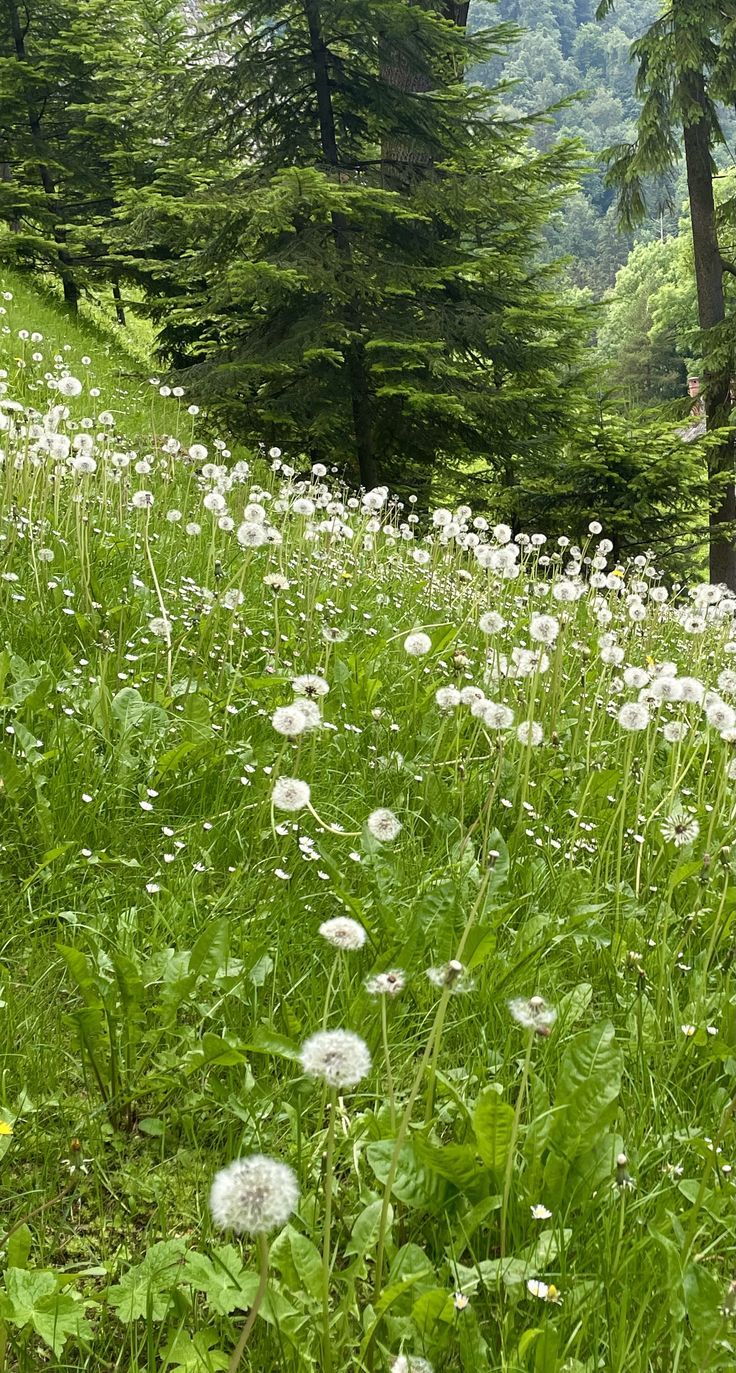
568,59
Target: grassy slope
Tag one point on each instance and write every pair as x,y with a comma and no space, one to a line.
136,826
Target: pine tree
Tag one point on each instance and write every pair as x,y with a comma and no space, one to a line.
78,105
363,287
686,66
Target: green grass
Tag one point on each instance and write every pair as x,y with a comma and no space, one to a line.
163,960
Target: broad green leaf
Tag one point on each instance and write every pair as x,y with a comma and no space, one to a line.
19,1248
471,1344
307,1262
493,1123
364,1234
32,1299
588,1086
210,952
415,1184
219,1275
455,1162
128,708
213,1050
146,1288
430,1309
195,1354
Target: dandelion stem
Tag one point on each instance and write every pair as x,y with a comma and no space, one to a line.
512,1144
239,1349
387,1058
327,1237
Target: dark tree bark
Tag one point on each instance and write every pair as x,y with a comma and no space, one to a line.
71,290
711,312
117,297
354,356
403,158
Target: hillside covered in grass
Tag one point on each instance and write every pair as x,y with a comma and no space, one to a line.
390,853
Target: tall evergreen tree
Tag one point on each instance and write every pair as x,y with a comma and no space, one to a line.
80,92
686,67
363,285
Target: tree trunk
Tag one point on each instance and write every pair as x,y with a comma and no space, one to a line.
711,312
71,290
353,352
403,159
117,297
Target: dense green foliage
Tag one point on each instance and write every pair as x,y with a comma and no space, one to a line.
360,286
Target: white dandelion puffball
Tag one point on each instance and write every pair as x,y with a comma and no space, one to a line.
491,622
447,697
289,721
720,716
496,716
417,644
408,1363
544,629
68,387
253,1195
141,500
383,825
339,1057
633,716
310,685
289,793
529,732
343,933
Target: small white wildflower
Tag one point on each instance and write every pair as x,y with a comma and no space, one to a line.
253,1195
545,1292
540,1212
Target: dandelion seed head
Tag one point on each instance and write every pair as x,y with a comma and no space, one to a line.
253,1195
339,1057
343,933
291,794
383,825
417,644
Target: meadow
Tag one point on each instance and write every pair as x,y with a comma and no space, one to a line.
389,854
